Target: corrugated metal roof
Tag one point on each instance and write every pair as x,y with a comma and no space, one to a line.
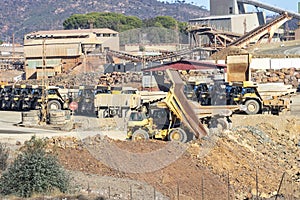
92,40
73,32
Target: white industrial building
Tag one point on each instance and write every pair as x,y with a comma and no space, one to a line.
240,24
229,15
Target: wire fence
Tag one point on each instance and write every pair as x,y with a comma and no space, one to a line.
285,191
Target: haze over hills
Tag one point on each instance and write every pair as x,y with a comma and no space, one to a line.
24,16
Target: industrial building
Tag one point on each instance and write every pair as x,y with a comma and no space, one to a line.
48,53
231,16
239,24
11,56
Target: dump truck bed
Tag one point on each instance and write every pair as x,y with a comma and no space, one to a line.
210,111
181,107
121,100
269,90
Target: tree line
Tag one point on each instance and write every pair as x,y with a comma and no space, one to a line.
161,29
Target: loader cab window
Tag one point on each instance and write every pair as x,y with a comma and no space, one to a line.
248,90
137,116
52,92
37,92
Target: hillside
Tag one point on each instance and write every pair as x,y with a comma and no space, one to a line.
24,16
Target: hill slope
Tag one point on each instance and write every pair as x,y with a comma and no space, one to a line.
24,16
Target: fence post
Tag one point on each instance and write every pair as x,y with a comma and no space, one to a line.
256,177
228,185
279,186
130,192
178,191
202,188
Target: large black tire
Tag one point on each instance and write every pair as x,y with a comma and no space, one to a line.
140,134
220,123
31,118
57,117
178,134
252,107
54,105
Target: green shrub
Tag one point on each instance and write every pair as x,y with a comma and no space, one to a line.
4,153
34,172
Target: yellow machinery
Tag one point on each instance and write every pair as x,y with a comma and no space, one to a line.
85,99
141,127
249,97
55,100
246,92
176,118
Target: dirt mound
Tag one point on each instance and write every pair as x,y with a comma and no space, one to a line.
260,148
184,174
256,153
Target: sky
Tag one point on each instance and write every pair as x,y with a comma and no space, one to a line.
290,5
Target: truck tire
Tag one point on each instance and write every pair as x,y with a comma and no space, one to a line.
31,118
252,107
140,134
178,134
57,117
54,105
220,123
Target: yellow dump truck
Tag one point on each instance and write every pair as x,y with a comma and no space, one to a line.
271,97
176,118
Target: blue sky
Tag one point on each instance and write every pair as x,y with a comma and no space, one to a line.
290,5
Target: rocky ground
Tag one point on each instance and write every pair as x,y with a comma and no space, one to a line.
258,149
256,153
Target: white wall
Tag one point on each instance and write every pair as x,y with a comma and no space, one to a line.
269,63
275,63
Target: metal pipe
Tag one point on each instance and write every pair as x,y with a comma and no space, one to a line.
270,7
